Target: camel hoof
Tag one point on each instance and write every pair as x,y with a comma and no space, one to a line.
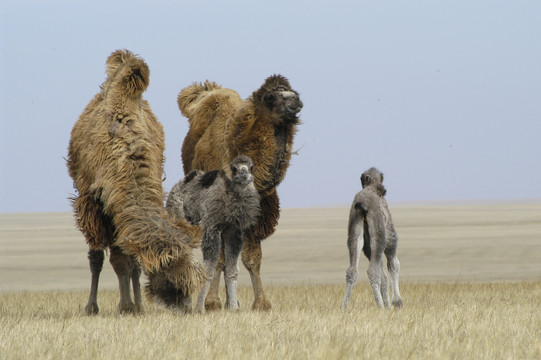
92,309
261,304
213,304
128,308
398,303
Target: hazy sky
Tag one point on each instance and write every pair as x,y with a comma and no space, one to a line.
443,97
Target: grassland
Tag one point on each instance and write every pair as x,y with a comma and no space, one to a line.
438,321
470,279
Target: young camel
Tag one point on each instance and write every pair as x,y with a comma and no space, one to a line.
370,215
224,207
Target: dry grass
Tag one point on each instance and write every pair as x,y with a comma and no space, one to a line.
493,312
438,321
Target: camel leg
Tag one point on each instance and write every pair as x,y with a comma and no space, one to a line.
232,247
251,258
393,265
374,276
375,269
211,247
95,259
384,287
213,301
352,272
251,251
123,268
135,275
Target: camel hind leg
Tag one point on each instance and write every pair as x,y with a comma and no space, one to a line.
374,276
393,266
384,287
95,259
98,231
354,238
375,267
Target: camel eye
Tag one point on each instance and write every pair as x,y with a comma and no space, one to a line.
252,169
269,98
234,170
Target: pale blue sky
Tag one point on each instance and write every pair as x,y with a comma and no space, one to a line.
443,97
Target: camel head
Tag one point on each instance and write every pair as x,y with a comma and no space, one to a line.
242,169
374,178
278,98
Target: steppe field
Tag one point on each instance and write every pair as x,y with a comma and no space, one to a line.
470,280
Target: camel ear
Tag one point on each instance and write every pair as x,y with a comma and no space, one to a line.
365,180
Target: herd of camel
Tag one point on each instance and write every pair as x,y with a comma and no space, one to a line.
235,154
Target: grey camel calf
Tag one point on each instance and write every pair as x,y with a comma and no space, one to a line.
370,216
224,206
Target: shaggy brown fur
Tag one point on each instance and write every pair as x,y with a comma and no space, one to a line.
115,158
223,126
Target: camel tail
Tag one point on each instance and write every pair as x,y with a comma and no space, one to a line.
128,71
363,211
366,237
164,249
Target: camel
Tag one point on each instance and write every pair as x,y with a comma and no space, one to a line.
223,126
224,207
370,216
115,158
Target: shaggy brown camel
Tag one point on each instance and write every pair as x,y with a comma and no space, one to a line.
115,158
223,126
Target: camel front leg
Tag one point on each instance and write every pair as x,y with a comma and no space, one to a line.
135,275
95,259
213,301
123,267
211,247
251,258
232,247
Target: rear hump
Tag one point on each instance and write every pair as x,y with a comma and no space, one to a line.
191,94
127,73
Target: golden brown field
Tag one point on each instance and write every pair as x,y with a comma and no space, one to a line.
438,321
470,279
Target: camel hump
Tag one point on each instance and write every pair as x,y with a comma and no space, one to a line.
189,98
127,73
206,103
